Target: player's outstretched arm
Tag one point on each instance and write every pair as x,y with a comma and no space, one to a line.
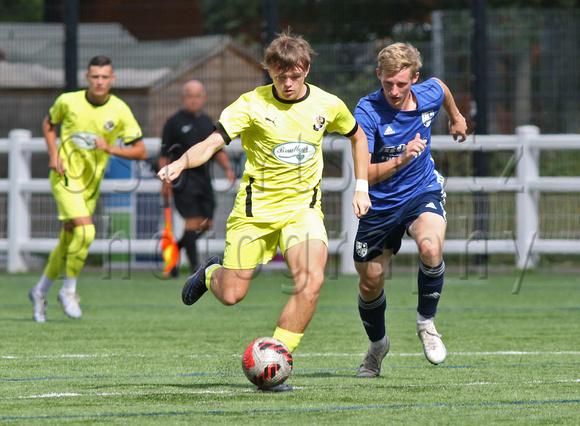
360,151
457,123
195,156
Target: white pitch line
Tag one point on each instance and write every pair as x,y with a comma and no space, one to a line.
106,394
452,353
391,354
234,392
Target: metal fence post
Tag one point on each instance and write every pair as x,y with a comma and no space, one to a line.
349,220
18,214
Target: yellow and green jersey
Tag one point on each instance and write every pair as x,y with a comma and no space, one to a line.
82,122
283,141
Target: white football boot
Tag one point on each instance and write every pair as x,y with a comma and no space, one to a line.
38,305
70,304
433,346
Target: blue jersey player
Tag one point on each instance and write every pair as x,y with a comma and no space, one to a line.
406,193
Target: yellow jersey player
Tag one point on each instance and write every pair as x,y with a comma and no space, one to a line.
91,122
278,203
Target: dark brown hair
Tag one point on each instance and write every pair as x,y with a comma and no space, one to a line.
286,52
100,61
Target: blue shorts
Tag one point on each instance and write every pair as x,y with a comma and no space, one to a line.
379,231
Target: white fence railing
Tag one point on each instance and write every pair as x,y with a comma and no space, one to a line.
526,185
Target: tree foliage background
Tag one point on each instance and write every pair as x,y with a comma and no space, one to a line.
324,21
21,10
331,21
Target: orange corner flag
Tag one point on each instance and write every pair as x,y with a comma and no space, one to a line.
169,247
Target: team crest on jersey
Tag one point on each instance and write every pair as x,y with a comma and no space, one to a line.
109,125
319,123
294,152
361,248
427,117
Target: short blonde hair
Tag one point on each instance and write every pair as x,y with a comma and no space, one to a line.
399,56
286,52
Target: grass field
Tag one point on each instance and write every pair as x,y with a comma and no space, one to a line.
139,356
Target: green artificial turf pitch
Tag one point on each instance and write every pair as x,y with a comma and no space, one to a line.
139,356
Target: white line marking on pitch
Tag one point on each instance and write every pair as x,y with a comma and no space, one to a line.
105,394
299,355
231,392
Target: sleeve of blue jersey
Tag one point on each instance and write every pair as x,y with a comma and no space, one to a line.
432,94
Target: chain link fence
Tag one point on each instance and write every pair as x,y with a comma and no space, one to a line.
531,64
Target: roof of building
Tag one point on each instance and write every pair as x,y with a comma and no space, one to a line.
32,55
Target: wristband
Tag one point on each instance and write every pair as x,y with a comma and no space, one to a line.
362,185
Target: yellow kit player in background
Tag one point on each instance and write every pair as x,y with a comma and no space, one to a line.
91,121
278,203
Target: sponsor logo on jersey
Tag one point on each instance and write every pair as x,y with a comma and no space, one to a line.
427,117
319,123
84,140
109,125
388,152
271,120
186,128
361,248
294,152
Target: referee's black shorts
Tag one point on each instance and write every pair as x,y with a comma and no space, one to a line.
194,200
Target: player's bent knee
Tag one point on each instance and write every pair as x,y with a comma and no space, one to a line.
367,287
230,301
370,282
232,297
310,282
231,286
316,279
78,249
83,236
430,252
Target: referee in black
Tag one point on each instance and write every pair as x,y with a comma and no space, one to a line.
192,192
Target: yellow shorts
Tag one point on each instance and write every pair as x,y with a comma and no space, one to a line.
72,200
250,243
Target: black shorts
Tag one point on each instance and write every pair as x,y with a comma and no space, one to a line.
193,201
380,231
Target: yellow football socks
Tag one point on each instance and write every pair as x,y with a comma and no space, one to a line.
208,273
78,249
57,258
290,339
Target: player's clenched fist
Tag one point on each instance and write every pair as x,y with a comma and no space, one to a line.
170,172
361,203
414,149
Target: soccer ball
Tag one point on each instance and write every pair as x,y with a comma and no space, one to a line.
267,362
